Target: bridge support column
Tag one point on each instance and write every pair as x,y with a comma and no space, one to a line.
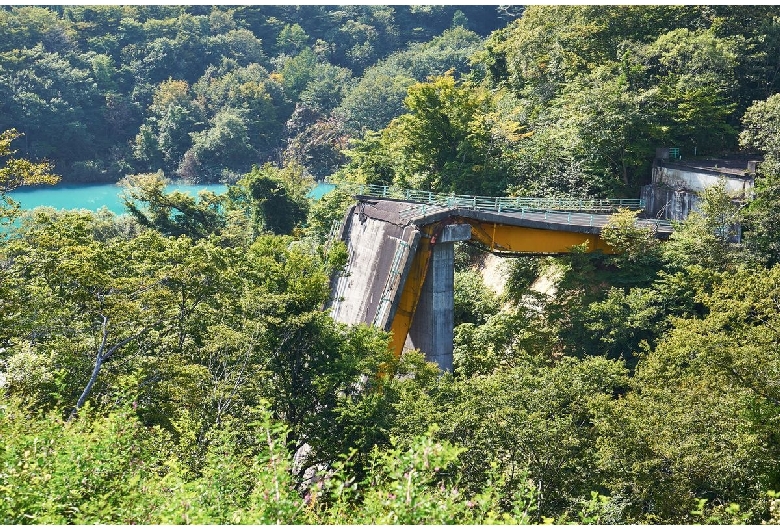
434,319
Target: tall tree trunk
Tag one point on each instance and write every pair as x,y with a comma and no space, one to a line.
101,357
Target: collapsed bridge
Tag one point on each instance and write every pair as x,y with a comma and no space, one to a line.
400,272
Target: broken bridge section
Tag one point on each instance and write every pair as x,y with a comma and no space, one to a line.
401,267
381,249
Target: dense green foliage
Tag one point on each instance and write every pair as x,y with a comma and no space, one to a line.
206,92
175,365
574,101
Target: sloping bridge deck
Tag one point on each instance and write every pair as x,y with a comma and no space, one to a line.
393,243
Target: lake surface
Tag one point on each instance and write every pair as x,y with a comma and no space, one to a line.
320,189
94,197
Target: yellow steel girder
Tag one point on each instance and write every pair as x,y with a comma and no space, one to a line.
410,294
507,238
498,238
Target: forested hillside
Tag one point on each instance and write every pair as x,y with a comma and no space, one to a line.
206,92
175,365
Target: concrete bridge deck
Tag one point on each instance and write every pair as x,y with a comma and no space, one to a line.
404,213
400,274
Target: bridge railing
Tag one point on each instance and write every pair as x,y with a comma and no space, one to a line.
430,202
562,209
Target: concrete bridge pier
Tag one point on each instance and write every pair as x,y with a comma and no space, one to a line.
432,329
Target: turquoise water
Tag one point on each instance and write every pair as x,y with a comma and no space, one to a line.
94,197
320,189
91,197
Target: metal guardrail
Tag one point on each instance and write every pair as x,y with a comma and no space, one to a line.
335,226
396,267
494,204
569,210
